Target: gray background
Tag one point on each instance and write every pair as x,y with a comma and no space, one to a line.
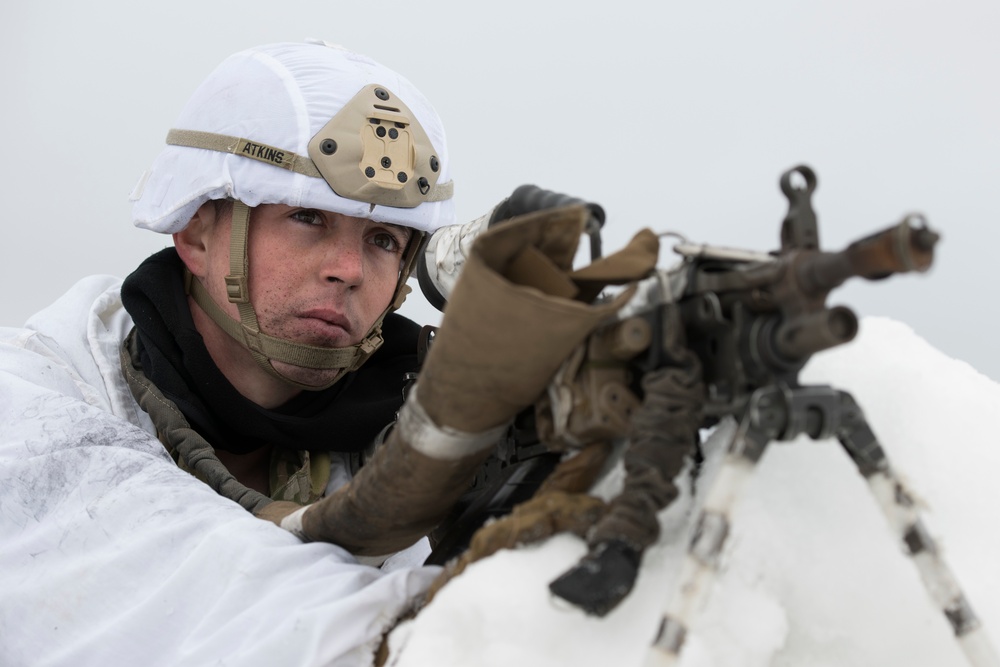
674,117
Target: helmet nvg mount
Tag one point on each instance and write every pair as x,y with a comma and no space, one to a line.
304,125
372,148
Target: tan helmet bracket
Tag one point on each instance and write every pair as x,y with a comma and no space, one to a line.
374,150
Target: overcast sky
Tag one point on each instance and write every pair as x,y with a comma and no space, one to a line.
674,116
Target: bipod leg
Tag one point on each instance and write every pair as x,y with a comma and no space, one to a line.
898,505
701,563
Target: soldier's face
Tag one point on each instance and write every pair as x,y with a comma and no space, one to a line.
316,277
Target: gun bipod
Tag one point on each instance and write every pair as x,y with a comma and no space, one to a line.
782,414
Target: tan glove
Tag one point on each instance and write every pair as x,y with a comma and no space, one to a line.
509,324
512,320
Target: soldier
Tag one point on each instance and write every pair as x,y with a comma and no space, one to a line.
261,353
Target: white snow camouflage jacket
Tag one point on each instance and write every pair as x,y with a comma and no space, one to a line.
110,554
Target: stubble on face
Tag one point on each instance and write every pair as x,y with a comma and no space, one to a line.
324,286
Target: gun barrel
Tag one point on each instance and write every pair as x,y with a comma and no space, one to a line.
800,337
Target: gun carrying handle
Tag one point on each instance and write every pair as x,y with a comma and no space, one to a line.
907,246
904,247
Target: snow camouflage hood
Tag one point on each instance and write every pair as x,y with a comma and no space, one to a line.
343,418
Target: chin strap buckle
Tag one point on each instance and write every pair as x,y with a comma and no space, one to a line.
237,289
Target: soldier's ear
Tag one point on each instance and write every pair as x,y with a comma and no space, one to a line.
194,242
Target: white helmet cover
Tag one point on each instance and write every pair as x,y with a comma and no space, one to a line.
279,95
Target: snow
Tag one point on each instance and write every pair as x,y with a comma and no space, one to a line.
811,573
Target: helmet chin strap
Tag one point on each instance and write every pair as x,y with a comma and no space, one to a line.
266,349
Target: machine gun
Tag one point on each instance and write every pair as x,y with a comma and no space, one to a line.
751,321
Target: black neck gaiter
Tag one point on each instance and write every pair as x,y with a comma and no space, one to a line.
344,418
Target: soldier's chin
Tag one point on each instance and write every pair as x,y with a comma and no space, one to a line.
311,377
